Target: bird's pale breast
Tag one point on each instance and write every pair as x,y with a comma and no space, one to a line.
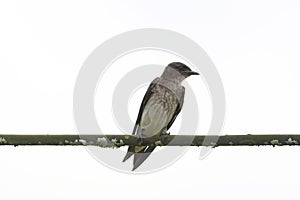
158,111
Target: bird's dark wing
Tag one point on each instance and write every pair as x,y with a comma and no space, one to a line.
178,108
131,149
143,104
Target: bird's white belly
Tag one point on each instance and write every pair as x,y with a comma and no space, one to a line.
156,116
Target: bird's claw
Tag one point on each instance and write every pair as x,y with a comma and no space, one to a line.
164,132
164,135
140,140
141,137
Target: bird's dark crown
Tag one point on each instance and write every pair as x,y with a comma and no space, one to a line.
179,67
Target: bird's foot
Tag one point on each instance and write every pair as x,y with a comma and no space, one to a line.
164,135
141,137
140,140
164,132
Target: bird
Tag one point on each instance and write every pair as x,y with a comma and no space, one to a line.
160,106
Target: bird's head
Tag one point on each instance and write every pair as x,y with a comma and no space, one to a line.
182,69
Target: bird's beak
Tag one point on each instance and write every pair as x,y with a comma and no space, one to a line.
192,73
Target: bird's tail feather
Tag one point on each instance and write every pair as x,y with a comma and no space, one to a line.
129,153
140,157
132,150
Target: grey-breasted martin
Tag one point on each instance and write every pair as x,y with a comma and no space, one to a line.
160,106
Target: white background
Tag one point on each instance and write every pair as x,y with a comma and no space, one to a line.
254,44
